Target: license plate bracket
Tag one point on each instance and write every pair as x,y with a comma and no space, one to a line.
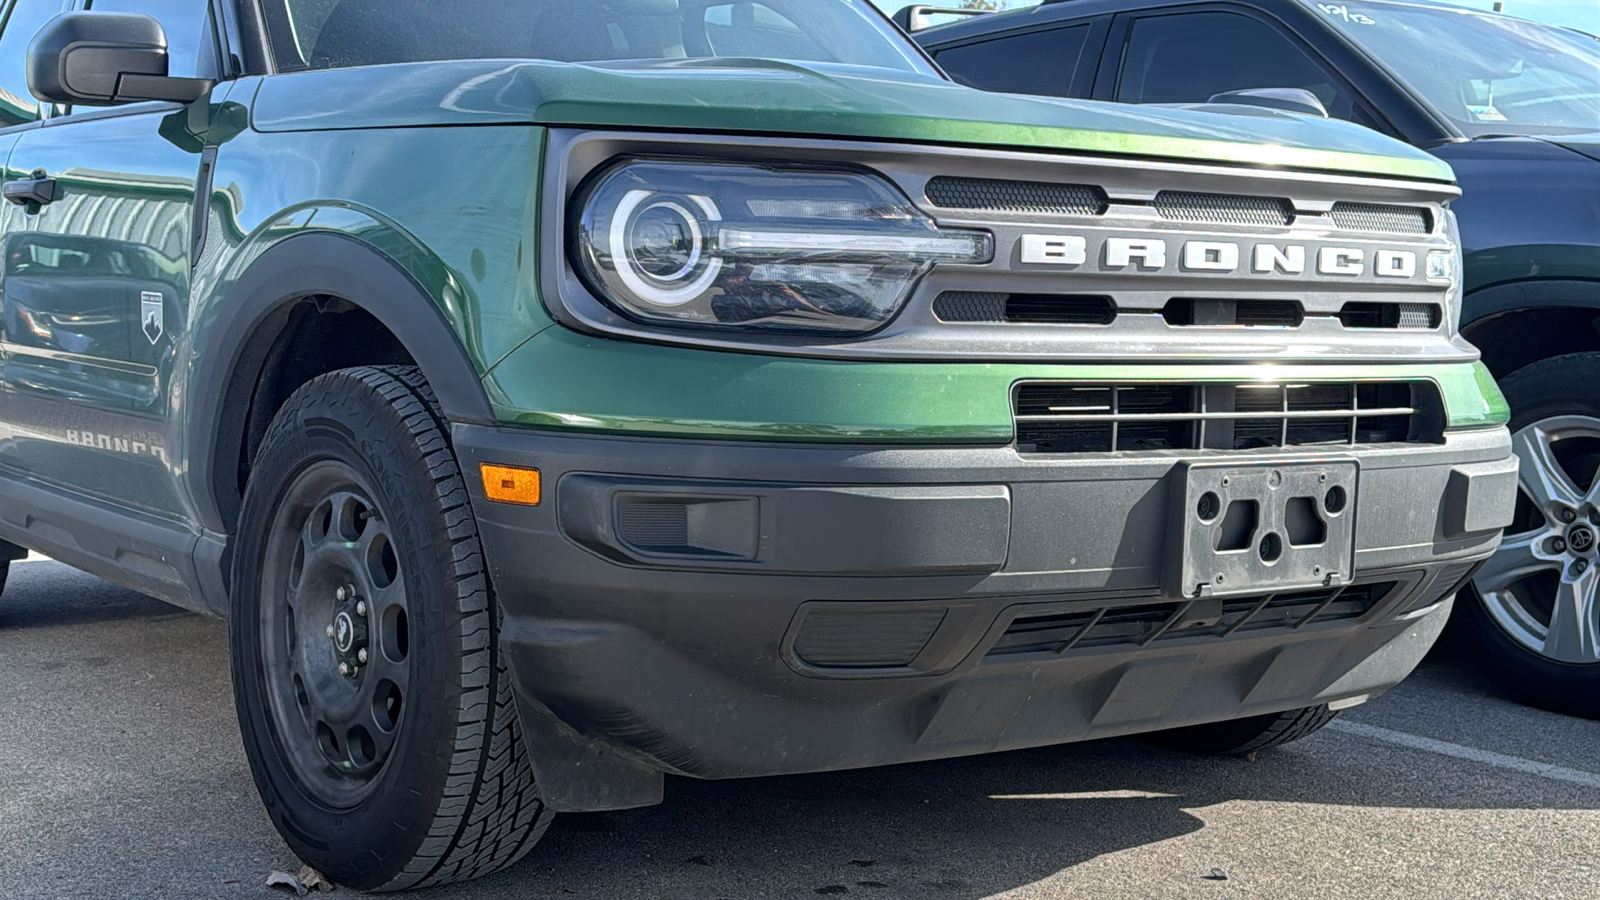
1263,528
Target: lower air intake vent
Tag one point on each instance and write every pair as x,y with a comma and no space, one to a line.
1223,209
1016,196
1060,633
865,640
1377,217
1039,309
1068,417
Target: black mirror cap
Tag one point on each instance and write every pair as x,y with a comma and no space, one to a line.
105,59
1298,100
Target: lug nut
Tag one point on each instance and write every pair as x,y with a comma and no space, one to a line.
362,656
1568,515
344,668
1578,568
361,607
1558,545
341,595
330,631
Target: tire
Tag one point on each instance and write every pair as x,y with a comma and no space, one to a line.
409,770
1547,564
1241,737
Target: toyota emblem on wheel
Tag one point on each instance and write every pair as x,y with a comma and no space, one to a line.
1581,540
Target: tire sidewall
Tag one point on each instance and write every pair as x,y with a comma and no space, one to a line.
354,425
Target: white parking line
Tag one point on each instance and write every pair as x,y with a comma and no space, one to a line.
1458,751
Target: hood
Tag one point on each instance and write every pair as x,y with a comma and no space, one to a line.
1582,144
817,100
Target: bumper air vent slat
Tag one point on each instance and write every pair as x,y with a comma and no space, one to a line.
865,640
1223,209
1381,218
1131,626
1068,417
1031,309
993,195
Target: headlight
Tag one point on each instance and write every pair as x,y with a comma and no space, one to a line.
755,247
1445,267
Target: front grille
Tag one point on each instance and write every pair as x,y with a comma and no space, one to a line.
1223,209
1016,196
1071,417
1033,309
1362,314
1185,312
1378,217
1061,633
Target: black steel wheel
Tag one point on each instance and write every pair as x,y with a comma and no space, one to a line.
374,704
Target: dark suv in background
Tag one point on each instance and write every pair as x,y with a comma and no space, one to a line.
1514,107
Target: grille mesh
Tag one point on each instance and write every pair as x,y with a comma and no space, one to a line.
836,638
1039,309
1016,196
1223,209
1377,217
1070,417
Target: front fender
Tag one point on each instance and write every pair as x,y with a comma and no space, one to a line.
254,313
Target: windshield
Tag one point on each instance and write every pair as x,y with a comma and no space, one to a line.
334,34
1488,74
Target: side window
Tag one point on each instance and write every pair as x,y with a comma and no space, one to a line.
17,106
1035,62
1191,57
191,40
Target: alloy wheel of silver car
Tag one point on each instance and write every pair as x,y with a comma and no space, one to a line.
1541,587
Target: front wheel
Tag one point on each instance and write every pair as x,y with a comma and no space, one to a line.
375,707
1536,604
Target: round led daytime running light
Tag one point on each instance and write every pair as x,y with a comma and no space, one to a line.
651,288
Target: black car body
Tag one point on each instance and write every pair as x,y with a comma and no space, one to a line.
1514,107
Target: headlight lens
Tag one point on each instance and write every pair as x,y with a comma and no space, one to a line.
754,247
1445,267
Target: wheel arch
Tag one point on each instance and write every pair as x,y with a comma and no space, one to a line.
1520,322
254,330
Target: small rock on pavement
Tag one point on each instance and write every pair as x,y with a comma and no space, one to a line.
1217,875
302,883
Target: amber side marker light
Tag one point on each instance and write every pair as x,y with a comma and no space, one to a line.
505,484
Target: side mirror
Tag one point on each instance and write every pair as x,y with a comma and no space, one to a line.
1298,100
105,59
919,17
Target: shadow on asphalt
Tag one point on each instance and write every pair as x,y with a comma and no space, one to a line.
51,595
964,828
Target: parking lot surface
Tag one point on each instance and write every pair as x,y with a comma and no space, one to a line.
122,776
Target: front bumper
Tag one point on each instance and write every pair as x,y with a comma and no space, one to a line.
722,610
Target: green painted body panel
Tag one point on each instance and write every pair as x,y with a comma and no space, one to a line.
824,101
569,381
438,167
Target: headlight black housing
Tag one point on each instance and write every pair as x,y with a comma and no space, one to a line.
751,247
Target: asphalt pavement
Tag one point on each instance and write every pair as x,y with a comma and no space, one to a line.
122,776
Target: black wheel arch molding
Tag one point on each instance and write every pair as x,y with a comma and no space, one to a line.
256,313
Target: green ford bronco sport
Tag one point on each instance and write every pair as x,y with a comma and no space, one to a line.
556,395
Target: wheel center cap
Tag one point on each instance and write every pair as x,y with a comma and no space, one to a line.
1581,539
344,632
